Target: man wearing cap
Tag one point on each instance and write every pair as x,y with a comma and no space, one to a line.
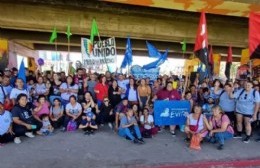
6,131
7,72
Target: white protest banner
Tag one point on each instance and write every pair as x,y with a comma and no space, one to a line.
103,53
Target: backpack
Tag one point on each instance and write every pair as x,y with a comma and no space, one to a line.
72,126
244,91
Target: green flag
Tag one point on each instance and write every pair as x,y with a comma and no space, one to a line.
53,35
184,46
94,31
68,30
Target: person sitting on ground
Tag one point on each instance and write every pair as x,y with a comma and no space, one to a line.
88,124
106,113
129,127
120,108
147,124
195,124
24,122
47,128
6,131
57,113
73,112
41,108
219,126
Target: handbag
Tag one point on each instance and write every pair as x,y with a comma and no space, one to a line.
8,104
194,128
195,142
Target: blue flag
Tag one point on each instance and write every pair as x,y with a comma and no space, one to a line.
21,73
152,51
128,59
158,62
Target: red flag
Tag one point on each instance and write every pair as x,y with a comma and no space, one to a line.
201,43
202,34
254,35
228,63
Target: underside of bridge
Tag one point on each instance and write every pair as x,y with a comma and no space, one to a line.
165,23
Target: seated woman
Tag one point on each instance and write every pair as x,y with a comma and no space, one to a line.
24,122
219,126
147,124
56,113
41,108
106,114
195,124
73,112
129,127
88,123
6,130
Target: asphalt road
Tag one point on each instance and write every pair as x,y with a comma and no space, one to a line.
106,149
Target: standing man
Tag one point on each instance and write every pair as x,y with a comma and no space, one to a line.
81,81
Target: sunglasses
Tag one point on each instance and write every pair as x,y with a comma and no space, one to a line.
106,100
245,96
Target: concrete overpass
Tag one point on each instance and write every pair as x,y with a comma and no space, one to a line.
30,22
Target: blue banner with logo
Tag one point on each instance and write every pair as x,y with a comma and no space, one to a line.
138,72
171,112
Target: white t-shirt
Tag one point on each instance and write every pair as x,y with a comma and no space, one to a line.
15,92
74,110
150,120
66,96
40,88
5,122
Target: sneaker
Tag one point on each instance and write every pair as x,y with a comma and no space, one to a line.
63,129
173,134
257,140
110,125
17,140
135,141
29,134
238,135
247,139
87,133
220,147
140,140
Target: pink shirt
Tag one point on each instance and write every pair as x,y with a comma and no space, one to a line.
43,110
224,118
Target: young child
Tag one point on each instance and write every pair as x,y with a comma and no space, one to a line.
47,128
88,124
147,124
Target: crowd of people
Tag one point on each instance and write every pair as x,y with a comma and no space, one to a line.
45,102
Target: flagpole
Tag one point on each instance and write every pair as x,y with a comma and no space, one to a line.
56,50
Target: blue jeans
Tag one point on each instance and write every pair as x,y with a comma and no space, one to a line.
123,132
222,136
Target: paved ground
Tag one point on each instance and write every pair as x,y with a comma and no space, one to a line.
105,149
